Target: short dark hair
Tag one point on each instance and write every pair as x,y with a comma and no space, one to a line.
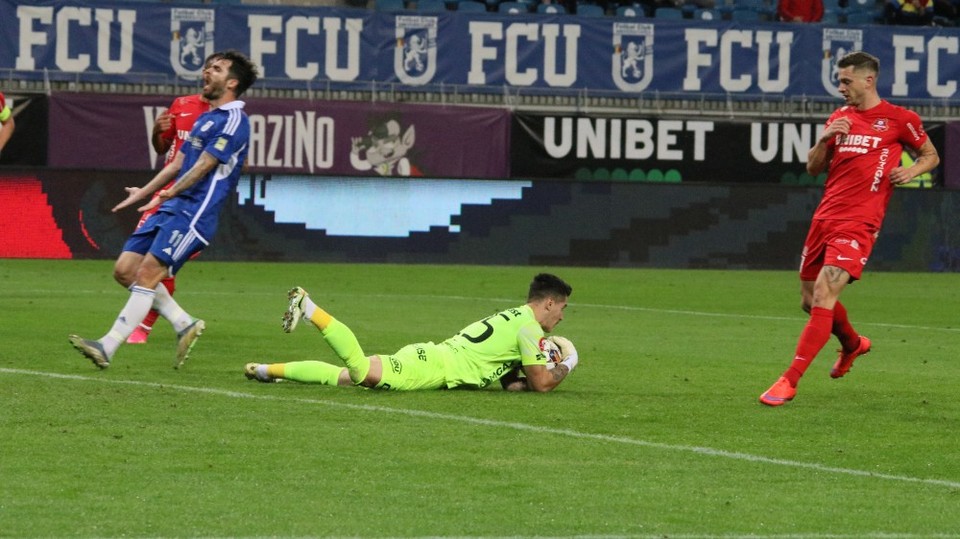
860,60
546,285
241,69
209,59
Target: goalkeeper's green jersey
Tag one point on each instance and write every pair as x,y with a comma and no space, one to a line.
487,349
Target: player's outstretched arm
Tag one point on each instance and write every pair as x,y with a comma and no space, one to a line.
165,176
205,163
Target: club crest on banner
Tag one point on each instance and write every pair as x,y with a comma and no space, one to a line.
191,40
632,56
837,42
415,54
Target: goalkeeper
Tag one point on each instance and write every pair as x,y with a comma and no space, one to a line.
504,347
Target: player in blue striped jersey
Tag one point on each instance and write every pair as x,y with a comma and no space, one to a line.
207,169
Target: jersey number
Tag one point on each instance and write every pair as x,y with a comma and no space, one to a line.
486,332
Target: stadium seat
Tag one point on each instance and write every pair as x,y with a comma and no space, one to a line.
471,6
389,5
668,13
832,5
830,17
551,9
745,15
861,17
431,6
767,11
513,8
706,14
590,10
630,11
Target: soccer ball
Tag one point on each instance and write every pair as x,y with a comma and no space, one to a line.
551,350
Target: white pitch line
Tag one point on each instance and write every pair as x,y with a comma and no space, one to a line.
628,308
708,451
681,312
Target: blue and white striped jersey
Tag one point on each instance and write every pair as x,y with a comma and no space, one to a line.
224,133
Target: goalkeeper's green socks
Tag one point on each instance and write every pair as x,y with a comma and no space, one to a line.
343,342
308,372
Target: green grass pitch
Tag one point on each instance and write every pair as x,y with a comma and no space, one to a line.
658,433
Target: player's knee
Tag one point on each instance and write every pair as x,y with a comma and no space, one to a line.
123,276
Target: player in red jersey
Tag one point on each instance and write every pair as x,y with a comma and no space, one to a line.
861,144
169,131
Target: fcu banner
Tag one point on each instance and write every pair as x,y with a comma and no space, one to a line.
306,47
295,137
672,150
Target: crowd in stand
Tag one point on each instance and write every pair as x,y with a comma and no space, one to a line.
853,12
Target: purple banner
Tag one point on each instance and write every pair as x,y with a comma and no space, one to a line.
296,137
951,156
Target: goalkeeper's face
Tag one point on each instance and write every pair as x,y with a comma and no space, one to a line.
552,313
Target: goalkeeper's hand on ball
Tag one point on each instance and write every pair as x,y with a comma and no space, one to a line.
567,351
566,347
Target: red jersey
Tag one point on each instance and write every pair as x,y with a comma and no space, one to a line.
185,111
858,184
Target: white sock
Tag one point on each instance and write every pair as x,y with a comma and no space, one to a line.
138,305
262,372
168,308
308,307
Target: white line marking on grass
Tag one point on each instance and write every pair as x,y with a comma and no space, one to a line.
708,451
634,308
654,310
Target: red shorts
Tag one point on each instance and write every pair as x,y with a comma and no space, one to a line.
844,244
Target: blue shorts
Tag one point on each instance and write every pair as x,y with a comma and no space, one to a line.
167,236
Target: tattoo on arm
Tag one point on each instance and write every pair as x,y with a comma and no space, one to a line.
560,372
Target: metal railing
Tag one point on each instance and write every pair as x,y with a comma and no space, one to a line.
685,104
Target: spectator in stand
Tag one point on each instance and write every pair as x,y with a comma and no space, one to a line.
910,12
800,10
7,124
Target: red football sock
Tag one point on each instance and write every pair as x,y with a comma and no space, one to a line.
849,338
813,338
151,318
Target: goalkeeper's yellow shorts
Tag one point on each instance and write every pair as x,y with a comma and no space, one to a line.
413,367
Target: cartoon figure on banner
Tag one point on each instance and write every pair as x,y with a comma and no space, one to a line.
632,56
191,43
414,53
384,150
